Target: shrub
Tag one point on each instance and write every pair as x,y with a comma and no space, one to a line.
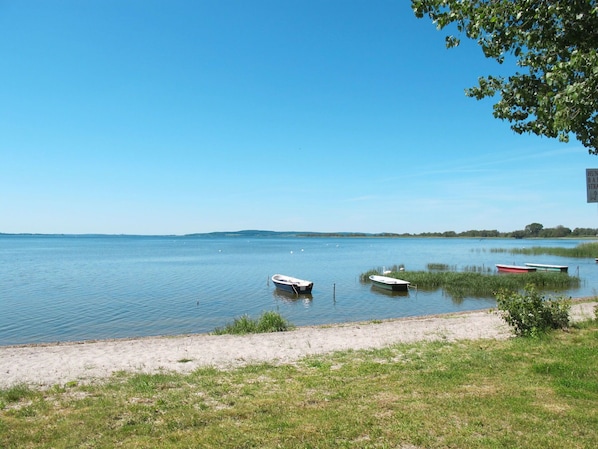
557,313
268,322
241,325
272,322
530,314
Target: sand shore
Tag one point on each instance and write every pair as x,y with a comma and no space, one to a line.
51,364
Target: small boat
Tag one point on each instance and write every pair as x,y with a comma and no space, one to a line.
545,267
388,283
291,284
514,268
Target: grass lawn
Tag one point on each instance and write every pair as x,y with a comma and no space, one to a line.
519,393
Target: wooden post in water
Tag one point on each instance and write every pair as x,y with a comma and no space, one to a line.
334,292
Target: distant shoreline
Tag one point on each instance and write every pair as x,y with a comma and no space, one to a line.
473,234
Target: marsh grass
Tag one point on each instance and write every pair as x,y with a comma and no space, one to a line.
267,322
524,393
583,250
440,267
477,269
480,283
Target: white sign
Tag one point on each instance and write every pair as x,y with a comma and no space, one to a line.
592,184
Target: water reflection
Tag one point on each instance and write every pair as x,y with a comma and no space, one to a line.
389,293
281,295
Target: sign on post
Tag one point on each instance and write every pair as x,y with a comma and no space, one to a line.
592,184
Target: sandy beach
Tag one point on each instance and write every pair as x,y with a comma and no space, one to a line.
83,362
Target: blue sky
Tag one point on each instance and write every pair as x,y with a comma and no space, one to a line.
180,116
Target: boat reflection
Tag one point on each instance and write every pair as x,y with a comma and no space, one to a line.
389,293
282,295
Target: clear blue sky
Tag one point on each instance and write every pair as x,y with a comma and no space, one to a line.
181,116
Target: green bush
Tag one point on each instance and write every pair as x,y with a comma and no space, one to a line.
272,322
241,325
530,314
268,322
557,313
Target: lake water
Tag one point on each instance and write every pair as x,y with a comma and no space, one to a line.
68,288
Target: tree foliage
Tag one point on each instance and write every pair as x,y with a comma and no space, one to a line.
555,44
534,229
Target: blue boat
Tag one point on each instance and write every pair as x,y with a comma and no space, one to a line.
291,284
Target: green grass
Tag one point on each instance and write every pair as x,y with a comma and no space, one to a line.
439,267
524,393
16,393
480,284
267,322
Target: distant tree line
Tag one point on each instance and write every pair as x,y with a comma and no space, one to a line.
532,230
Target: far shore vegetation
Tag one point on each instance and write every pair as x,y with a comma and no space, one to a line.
533,230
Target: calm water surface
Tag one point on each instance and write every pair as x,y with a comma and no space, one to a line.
67,288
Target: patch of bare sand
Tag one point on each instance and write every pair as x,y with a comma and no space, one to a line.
46,365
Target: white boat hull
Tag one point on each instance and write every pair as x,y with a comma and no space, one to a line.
388,283
291,284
